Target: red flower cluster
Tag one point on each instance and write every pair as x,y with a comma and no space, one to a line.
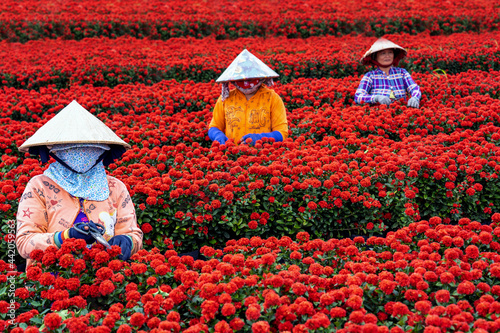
416,274
129,60
40,19
345,169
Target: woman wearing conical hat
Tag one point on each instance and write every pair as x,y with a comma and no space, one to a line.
74,198
251,110
387,83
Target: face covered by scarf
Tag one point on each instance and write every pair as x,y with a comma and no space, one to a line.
245,86
248,87
89,181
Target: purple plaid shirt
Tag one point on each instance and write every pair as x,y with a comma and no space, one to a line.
376,82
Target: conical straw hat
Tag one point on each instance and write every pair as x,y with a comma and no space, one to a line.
383,44
247,66
73,124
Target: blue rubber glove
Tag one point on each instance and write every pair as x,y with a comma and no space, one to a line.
276,135
125,243
216,134
88,238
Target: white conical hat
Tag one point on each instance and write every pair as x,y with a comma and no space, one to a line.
247,66
383,44
73,124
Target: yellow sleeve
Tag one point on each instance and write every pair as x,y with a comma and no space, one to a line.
278,116
219,116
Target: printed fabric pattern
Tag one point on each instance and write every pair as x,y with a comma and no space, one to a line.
91,184
376,82
45,208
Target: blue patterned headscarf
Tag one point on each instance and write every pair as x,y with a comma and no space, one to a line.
91,183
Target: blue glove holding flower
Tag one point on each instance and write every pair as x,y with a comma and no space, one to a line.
125,243
276,135
216,134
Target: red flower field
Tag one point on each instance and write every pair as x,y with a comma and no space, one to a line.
366,219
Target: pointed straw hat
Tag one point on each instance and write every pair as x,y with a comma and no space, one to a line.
247,66
383,44
73,124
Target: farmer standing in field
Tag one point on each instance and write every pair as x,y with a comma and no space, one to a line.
74,198
386,83
252,110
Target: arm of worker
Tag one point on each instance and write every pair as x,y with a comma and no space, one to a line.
126,223
32,222
218,124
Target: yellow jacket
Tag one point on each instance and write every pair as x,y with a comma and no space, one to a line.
263,113
46,208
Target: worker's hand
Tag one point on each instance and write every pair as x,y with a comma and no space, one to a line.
382,99
216,134
124,243
85,235
414,103
221,138
276,135
253,137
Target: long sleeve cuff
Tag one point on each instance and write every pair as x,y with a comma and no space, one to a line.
60,236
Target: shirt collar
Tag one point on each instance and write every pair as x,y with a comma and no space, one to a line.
379,71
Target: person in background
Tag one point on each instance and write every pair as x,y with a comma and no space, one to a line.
75,190
251,110
387,83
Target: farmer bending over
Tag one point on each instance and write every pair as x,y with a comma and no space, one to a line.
252,110
74,194
386,83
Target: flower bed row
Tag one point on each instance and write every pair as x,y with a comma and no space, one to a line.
425,277
332,177
109,62
28,19
440,90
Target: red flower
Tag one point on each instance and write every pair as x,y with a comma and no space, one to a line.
253,313
146,228
299,289
261,327
303,237
472,251
485,237
174,316
33,273
66,260
106,287
387,286
237,324
466,287
228,310
222,327
400,175
78,266
52,320
443,296
124,328
137,319
399,309
354,302
47,279
356,317
209,309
